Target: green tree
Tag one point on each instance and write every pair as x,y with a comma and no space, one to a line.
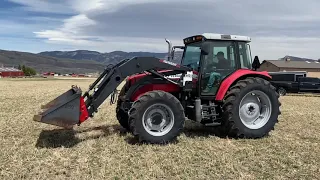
28,71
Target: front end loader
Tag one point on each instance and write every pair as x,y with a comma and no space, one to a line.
74,107
216,84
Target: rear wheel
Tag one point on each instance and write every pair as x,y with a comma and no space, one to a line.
156,117
251,109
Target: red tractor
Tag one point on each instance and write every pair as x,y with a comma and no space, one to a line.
216,83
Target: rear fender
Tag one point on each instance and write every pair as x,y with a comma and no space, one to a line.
236,76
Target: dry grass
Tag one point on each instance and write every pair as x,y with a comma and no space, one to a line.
100,149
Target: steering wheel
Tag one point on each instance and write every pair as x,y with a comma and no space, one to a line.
192,65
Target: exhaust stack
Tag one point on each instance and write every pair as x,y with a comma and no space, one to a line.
169,49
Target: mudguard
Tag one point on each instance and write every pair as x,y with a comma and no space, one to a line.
237,75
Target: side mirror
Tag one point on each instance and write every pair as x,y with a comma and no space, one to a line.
205,48
256,63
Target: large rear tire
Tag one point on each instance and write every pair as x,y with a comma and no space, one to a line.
251,108
157,117
121,115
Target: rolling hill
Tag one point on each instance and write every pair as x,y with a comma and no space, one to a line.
43,63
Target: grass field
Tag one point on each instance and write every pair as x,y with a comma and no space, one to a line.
101,149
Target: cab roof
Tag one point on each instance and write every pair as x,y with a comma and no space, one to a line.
226,37
215,36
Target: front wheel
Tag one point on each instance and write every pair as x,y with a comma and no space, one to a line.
251,108
156,117
121,115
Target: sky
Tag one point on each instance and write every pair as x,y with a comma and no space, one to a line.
277,28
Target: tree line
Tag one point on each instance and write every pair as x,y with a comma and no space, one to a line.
28,71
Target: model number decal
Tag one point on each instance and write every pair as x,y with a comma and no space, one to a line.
194,76
168,62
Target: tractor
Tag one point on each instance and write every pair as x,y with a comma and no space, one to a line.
216,84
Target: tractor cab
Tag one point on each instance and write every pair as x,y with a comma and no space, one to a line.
214,57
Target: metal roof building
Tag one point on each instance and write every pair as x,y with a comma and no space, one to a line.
10,72
311,67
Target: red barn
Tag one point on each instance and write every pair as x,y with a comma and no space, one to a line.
10,72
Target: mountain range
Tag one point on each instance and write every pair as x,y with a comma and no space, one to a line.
104,58
48,64
79,61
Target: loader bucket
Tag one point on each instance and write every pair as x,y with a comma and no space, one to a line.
63,111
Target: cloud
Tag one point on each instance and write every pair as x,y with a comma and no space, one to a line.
56,6
86,6
277,28
71,31
276,47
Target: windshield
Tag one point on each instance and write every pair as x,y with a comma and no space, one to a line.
191,56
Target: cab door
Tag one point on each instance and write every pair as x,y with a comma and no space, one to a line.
216,65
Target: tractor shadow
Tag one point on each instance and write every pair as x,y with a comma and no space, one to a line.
68,138
57,138
191,130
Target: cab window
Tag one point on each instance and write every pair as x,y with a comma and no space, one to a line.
222,56
245,58
191,56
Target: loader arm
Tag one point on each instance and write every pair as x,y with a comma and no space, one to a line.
111,78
